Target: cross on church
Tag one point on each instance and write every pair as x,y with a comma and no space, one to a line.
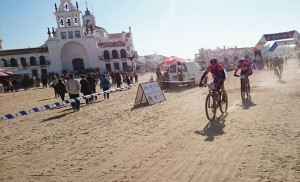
86,4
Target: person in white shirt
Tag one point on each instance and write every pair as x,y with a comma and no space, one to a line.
73,88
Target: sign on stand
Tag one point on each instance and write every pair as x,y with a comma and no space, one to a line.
150,93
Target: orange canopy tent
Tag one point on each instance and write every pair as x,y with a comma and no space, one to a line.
170,60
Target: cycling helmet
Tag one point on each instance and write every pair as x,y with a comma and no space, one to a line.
213,61
242,60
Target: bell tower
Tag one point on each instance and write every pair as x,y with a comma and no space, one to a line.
88,19
67,15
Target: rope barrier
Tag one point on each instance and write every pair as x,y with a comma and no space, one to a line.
57,104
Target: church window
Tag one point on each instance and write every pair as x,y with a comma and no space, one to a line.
88,22
13,62
76,21
77,34
32,61
42,60
123,53
106,54
70,35
115,54
61,22
63,35
23,61
69,22
66,7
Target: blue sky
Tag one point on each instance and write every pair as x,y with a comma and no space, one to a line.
167,27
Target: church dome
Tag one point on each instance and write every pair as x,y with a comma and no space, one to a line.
87,12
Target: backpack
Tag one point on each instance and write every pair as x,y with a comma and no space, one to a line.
105,82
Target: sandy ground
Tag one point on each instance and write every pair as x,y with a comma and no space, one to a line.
111,140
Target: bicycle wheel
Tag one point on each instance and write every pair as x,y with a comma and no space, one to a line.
243,94
210,107
223,104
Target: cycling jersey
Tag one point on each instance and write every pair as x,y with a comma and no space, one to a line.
245,68
217,73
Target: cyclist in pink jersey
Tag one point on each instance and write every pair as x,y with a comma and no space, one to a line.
245,67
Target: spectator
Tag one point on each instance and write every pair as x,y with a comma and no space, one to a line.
151,79
54,83
135,76
92,82
112,76
44,81
127,78
10,86
85,88
118,79
105,85
130,74
73,88
15,84
158,74
61,89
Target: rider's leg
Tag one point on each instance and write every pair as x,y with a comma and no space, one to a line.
248,81
224,98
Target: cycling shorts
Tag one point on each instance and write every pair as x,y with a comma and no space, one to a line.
219,81
247,73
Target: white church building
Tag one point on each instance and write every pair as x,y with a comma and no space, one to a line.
77,44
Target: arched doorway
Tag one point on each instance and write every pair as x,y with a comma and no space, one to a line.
115,54
42,60
78,66
123,53
74,57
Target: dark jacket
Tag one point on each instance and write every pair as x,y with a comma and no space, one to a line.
92,81
60,88
85,88
118,78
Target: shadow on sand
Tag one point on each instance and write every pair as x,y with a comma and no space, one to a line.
247,103
178,88
139,106
68,108
213,128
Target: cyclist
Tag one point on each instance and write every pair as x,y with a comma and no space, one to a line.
218,74
245,67
276,63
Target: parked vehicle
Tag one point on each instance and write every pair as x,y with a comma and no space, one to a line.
185,72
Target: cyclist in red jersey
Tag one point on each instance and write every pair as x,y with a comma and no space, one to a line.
218,75
245,67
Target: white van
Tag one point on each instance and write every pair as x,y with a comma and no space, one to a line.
186,71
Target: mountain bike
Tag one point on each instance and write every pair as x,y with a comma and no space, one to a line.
245,89
214,100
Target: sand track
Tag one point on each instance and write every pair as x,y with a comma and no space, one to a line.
169,141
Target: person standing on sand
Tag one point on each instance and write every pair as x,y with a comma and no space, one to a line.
118,80
54,83
92,82
73,88
61,89
85,89
105,85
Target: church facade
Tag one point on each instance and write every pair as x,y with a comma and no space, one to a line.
76,45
